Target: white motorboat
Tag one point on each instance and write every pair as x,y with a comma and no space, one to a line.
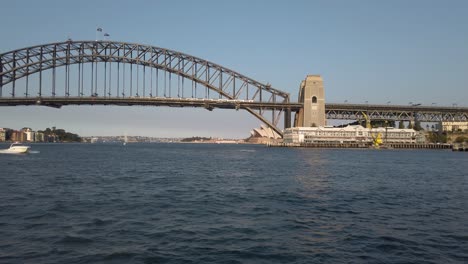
16,148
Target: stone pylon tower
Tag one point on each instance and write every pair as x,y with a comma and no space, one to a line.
312,95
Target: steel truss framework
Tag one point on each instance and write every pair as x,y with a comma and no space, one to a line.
226,84
28,67
396,112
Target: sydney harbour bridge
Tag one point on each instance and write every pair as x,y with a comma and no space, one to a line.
126,74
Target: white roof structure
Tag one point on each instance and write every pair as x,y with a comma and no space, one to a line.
390,129
264,132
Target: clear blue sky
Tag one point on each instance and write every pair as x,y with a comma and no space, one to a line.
376,51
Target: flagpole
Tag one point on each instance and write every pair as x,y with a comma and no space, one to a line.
97,33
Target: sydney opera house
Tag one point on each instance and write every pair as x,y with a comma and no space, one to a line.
263,135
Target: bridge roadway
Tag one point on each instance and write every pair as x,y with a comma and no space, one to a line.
208,103
396,112
332,110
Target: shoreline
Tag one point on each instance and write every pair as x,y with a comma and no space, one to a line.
355,145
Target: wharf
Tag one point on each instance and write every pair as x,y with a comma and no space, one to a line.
363,145
460,147
321,145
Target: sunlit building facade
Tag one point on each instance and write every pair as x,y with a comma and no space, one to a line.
348,134
454,126
2,135
19,136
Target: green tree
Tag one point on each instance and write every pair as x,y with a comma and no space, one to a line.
61,135
417,126
435,137
192,139
401,125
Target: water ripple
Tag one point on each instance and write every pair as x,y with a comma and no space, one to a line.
198,203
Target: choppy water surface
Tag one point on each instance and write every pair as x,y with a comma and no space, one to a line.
199,203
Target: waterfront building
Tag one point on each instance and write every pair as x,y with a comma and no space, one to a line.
325,134
30,136
263,135
348,134
264,131
455,126
51,138
19,136
395,135
2,135
40,137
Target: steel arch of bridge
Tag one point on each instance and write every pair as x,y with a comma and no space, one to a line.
227,84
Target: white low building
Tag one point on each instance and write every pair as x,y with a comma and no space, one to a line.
455,126
325,134
30,136
395,135
348,134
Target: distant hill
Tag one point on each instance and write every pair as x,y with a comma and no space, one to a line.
195,139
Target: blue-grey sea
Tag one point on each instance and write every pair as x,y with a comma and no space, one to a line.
210,203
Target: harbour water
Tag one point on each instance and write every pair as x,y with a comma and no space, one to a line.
208,203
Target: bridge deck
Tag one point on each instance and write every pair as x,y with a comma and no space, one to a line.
150,101
333,111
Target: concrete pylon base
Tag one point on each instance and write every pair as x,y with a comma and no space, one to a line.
311,93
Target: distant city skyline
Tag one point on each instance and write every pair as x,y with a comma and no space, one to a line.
366,51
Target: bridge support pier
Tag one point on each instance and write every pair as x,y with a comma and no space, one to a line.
1,78
312,96
287,118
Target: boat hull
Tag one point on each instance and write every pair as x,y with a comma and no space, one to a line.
16,150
